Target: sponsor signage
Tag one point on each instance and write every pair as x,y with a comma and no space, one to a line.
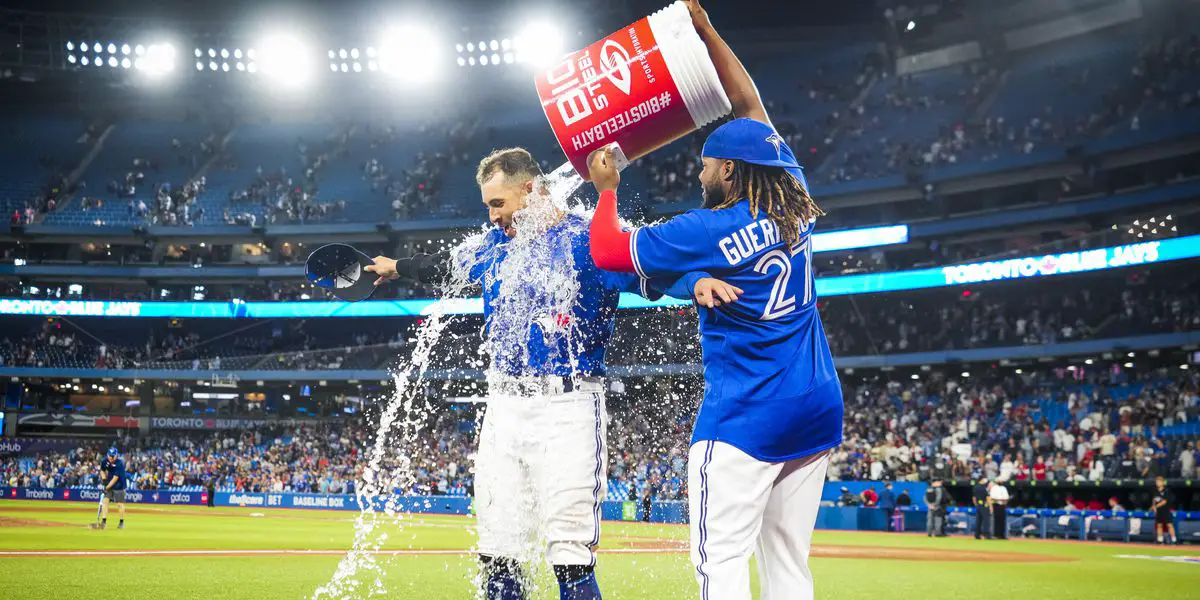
19,446
93,494
212,423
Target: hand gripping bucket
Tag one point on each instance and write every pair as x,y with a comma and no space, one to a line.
641,87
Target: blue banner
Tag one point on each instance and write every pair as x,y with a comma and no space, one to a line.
444,505
93,495
1115,257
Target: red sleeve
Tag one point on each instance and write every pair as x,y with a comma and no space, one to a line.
610,243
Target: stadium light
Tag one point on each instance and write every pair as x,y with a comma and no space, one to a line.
158,60
284,59
411,53
539,44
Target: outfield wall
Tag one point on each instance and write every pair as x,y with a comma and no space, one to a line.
1041,523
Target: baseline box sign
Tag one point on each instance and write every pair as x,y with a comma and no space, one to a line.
174,497
210,423
287,500
450,505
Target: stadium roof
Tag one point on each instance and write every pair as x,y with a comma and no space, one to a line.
741,14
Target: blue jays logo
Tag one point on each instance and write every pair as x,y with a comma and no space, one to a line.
776,141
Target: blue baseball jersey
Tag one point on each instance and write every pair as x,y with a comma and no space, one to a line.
571,342
113,469
770,386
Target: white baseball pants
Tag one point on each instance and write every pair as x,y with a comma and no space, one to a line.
540,475
739,505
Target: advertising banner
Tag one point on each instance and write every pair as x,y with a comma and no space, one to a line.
23,446
93,495
216,423
454,505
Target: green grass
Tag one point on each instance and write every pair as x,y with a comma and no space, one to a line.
1094,571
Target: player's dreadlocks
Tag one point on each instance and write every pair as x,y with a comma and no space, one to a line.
775,191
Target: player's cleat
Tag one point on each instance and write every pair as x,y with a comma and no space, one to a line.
121,525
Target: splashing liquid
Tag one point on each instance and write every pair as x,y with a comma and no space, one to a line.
537,282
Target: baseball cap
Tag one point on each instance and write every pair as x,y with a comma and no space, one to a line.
754,142
340,269
112,451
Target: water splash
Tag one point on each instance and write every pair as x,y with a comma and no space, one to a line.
537,285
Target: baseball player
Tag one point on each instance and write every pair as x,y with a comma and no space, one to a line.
114,479
772,407
541,469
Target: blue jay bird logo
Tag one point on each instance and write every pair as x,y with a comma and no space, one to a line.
775,140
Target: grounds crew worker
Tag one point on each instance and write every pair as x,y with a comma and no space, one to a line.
983,514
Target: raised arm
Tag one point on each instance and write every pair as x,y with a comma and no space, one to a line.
740,89
424,268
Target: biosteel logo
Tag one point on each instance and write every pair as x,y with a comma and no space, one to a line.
615,60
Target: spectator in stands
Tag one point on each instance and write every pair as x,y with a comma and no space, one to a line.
870,498
1187,461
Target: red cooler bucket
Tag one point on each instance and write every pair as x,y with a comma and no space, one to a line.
642,87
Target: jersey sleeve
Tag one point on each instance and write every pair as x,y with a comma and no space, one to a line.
675,247
654,288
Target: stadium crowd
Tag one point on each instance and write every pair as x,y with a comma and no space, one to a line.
1030,313
1057,425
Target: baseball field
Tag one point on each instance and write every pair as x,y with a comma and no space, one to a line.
48,551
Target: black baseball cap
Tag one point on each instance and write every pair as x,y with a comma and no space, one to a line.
340,269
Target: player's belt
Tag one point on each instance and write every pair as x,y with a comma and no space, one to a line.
551,385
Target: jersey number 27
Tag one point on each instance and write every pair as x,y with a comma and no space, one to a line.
779,303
